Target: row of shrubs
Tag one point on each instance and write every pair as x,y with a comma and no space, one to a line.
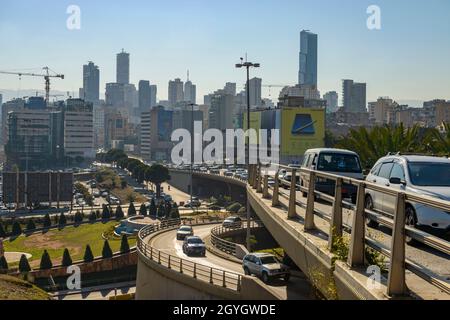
46,262
163,210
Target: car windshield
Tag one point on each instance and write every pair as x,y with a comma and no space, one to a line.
268,260
339,162
431,174
195,240
185,229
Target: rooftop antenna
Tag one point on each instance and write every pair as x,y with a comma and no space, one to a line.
188,75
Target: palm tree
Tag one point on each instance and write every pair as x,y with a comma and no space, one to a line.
379,141
437,142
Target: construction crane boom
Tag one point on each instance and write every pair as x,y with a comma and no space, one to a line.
46,77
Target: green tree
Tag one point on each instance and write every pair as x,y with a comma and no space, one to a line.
3,263
16,229
153,209
78,217
168,209
66,259
124,246
119,213
31,225
131,210
47,222
88,256
24,265
92,216
438,142
157,174
46,262
175,213
106,251
106,215
143,210
123,183
161,211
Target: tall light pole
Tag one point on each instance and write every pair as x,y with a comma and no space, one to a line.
248,65
192,151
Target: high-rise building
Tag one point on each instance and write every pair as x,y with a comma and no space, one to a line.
78,129
116,127
144,137
13,105
354,96
115,95
255,92
332,101
230,88
308,59
144,95
176,93
91,83
221,112
99,126
153,93
190,89
123,68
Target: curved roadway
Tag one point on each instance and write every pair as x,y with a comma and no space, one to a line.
297,288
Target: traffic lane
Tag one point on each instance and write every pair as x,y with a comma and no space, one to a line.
436,261
298,288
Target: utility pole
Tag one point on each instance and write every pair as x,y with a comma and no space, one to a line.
248,65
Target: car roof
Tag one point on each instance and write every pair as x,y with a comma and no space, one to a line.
193,237
418,158
330,150
261,254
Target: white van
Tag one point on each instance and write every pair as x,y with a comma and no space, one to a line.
335,161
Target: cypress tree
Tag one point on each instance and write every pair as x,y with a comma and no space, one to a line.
143,210
16,229
78,217
31,225
106,251
2,231
3,263
24,265
62,219
47,222
153,209
119,213
105,212
46,262
88,256
66,259
161,211
92,217
131,210
124,246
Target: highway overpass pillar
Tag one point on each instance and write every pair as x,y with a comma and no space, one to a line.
336,217
275,195
356,250
309,214
292,213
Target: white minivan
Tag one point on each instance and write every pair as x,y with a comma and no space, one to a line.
335,161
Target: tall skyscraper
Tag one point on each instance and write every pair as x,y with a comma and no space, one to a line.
144,94
255,92
91,82
221,112
230,88
354,96
190,91
308,58
123,68
332,101
153,93
176,93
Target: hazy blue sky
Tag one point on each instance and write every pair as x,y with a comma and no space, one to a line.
409,58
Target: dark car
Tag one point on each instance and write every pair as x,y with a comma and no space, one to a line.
184,231
194,245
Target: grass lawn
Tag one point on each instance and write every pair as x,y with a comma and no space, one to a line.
12,288
74,239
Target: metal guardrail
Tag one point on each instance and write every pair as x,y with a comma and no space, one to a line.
214,276
225,245
396,284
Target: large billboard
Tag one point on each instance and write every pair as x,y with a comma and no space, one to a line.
301,129
37,187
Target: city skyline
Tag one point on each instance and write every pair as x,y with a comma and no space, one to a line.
169,54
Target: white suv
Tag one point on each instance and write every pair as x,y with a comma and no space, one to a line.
422,175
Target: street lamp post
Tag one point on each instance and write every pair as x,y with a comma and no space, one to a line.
248,65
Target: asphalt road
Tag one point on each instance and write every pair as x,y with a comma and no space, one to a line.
297,288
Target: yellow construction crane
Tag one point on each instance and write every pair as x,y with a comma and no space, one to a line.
46,76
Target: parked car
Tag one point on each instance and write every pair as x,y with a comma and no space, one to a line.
194,245
265,266
184,231
228,173
194,204
335,161
232,222
421,175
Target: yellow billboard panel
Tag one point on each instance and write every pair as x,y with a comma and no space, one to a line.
301,129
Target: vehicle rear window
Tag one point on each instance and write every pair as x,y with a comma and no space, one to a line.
268,260
430,174
195,240
339,162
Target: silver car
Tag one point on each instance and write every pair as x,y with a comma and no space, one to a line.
422,175
265,266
